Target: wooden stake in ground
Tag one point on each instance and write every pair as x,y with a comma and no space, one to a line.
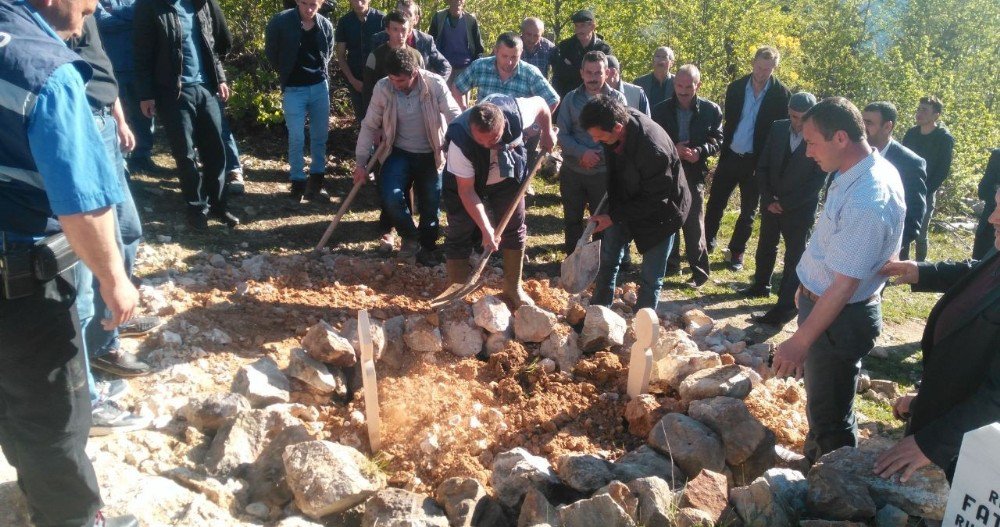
647,330
372,415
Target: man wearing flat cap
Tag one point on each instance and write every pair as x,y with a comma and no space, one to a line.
567,58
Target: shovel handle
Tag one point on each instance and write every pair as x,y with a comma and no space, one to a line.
591,225
520,194
343,208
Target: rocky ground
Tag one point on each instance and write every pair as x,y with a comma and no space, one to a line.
488,417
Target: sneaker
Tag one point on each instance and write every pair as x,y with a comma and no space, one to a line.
121,363
108,417
736,262
234,178
112,390
118,521
139,326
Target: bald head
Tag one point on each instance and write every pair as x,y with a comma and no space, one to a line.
531,32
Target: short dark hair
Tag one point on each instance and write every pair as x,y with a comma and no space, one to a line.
401,61
510,39
595,56
933,102
410,4
835,114
767,53
398,17
603,112
486,117
886,109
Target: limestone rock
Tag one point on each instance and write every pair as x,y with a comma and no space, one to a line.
515,471
708,492
562,346
756,506
325,345
316,374
789,488
422,336
532,323
623,496
690,444
692,517
697,323
675,367
492,314
728,381
466,503
536,511
496,342
395,345
576,311
760,460
462,337
673,342
602,328
655,501
213,411
583,472
241,441
891,516
741,432
838,495
329,477
600,510
350,332
642,413
266,475
645,462
401,508
262,383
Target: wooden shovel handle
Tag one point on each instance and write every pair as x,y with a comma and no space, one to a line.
343,207
591,225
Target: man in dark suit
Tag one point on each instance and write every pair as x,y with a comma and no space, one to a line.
989,183
695,126
752,103
790,182
960,386
880,119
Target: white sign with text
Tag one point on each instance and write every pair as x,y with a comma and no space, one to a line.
974,499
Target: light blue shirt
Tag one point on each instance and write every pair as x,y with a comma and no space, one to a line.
743,136
191,72
859,229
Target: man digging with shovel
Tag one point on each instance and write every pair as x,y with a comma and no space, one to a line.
485,164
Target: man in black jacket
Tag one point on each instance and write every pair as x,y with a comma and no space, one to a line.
880,119
960,384
752,103
178,74
933,142
648,198
790,183
695,126
987,185
567,58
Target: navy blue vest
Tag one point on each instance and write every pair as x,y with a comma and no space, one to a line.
512,156
28,57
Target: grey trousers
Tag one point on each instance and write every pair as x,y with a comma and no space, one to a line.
578,192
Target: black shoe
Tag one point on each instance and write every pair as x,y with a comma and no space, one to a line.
197,219
120,363
298,189
226,217
775,317
314,190
427,257
697,283
139,326
754,291
673,270
144,165
118,521
736,262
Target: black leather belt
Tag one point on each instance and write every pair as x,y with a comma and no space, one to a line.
815,298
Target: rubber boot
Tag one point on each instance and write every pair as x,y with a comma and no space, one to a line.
513,262
458,270
298,189
314,190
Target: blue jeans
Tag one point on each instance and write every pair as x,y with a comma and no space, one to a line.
299,102
400,171
141,125
654,264
229,142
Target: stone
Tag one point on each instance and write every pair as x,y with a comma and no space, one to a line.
517,470
222,494
838,495
673,342
642,413
756,506
466,503
536,511
402,508
212,412
395,345
727,381
830,523
217,260
266,475
623,497
645,462
562,346
421,336
789,488
697,323
258,510
864,382
297,521
891,516
785,458
327,477
758,463
532,323
262,383
692,517
689,443
548,365
496,342
325,345
601,510
241,441
492,314
925,494
656,501
887,388
674,368
741,432
576,311
379,341
462,337
583,472
708,492
316,374
602,328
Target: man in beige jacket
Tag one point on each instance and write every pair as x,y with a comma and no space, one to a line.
405,125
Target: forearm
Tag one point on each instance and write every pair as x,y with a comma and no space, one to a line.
118,114
92,236
474,207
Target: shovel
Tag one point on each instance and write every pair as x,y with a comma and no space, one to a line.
580,268
372,416
459,291
344,206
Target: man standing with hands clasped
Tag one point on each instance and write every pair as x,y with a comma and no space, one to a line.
840,310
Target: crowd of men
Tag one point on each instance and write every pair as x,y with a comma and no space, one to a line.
442,124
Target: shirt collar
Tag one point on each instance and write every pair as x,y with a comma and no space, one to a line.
853,173
750,87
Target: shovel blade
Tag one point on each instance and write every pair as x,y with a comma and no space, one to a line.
455,292
579,269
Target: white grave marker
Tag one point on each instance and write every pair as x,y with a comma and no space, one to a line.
974,499
372,415
640,366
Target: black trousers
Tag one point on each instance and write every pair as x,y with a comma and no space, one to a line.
695,247
192,121
794,227
463,233
733,170
985,236
45,406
